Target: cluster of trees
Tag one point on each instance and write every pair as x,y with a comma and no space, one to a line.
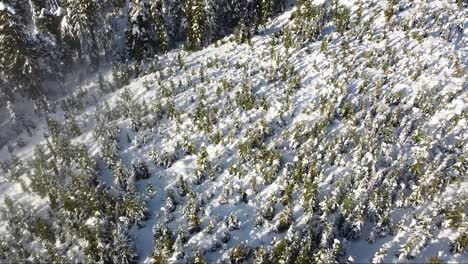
66,175
42,39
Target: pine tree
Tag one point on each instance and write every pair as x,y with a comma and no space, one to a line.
150,190
198,258
278,253
163,244
72,127
40,180
210,227
203,165
120,75
134,207
238,254
458,69
264,12
194,12
139,35
305,255
123,250
170,200
182,186
193,218
341,16
18,119
380,255
140,169
307,20
460,244
120,174
285,220
21,66
260,256
232,223
309,195
181,235
287,39
159,24
79,28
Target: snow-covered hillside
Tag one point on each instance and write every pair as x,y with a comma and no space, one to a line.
337,134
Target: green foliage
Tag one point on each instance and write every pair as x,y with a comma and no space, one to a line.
279,252
21,67
265,10
203,165
156,10
43,229
242,34
245,99
459,70
460,244
309,195
305,256
455,215
150,190
434,260
180,61
238,254
324,45
260,256
388,12
341,17
198,258
194,223
287,39
121,75
123,248
194,11
285,220
72,127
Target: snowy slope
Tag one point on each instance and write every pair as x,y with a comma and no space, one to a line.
372,114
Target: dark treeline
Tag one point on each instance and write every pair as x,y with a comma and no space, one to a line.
44,39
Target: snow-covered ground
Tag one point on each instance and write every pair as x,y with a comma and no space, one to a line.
374,107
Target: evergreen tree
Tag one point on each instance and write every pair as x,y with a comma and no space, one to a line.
121,75
460,244
285,220
139,34
18,119
79,29
21,66
159,24
194,12
238,254
260,256
198,258
133,206
203,165
150,190
163,244
193,218
265,10
123,249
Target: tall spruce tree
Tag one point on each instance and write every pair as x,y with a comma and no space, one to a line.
139,33
79,30
194,12
265,8
21,66
160,32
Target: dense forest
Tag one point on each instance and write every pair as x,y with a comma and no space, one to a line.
46,39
